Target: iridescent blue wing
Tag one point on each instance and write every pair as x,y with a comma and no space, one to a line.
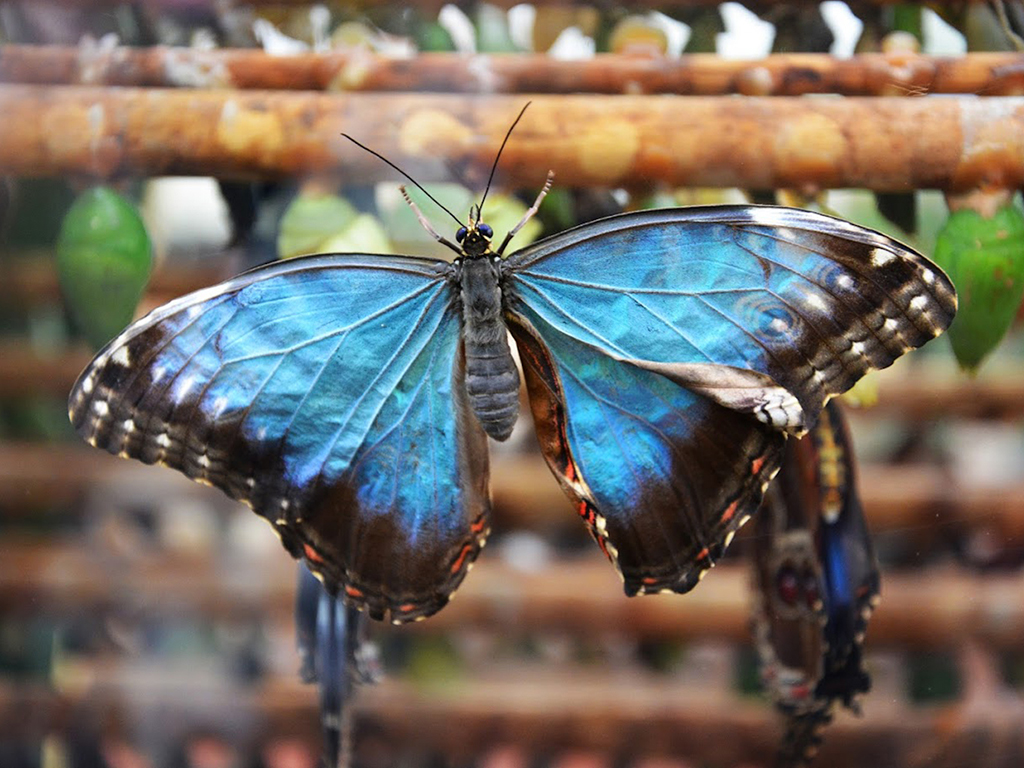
668,352
326,393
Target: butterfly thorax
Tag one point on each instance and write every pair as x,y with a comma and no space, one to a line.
492,380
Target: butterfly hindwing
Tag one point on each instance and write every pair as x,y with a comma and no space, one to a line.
327,394
668,352
661,475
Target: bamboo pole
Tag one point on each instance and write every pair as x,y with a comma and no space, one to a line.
986,74
888,144
929,608
523,715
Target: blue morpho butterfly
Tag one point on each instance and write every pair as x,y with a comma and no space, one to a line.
347,398
818,583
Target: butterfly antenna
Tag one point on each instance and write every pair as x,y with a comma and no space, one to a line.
480,208
410,178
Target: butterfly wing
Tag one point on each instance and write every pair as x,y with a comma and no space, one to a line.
661,475
667,353
326,393
818,582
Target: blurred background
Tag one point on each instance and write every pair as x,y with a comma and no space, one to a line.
150,148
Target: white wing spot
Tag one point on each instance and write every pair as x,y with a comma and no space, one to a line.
891,324
779,325
919,303
158,373
261,433
845,282
814,300
766,217
928,276
219,405
128,425
881,256
87,385
120,356
203,460
193,312
182,390
857,348
101,408
163,440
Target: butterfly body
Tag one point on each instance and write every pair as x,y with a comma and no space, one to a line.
667,355
492,379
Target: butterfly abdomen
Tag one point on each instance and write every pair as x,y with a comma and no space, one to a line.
492,380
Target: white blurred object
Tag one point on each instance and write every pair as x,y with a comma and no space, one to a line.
186,214
745,36
572,45
846,27
459,27
274,41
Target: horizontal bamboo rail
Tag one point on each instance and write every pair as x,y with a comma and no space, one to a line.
633,141
986,74
628,715
929,608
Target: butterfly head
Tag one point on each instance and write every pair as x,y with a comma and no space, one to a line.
475,240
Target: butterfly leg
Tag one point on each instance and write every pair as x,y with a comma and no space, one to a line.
529,214
426,224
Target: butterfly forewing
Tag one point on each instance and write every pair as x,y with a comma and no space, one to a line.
668,352
768,310
327,394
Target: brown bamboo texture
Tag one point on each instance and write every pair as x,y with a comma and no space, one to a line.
887,144
987,74
938,608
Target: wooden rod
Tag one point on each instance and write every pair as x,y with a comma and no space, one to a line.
933,608
513,717
791,74
633,141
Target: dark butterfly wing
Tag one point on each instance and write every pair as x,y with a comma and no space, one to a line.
326,393
754,315
818,582
335,656
766,310
661,475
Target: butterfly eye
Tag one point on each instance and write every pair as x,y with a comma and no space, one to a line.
460,235
486,231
